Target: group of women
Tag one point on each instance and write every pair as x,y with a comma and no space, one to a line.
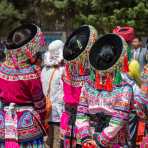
85,96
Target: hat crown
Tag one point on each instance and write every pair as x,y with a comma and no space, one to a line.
23,43
106,51
106,54
76,51
21,36
76,43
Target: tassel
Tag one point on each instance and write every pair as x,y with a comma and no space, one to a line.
14,59
129,54
125,64
140,132
97,83
67,72
28,53
88,146
71,67
42,40
92,75
11,140
74,68
118,78
11,144
81,69
108,85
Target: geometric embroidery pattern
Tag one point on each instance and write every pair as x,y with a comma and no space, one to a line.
25,120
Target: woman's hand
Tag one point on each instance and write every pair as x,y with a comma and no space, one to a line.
90,144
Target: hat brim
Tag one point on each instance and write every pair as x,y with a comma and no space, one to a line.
76,43
111,40
9,42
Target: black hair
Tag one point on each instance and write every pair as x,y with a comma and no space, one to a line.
26,32
139,38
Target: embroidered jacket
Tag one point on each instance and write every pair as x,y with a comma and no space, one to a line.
22,87
112,110
72,91
140,99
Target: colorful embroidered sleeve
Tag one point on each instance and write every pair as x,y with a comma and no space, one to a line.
82,119
140,101
118,120
141,105
38,97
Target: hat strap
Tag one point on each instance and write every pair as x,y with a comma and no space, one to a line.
108,85
92,75
118,78
81,69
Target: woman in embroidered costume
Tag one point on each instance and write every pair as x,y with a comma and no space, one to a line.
52,84
140,108
138,115
75,53
142,139
23,103
106,95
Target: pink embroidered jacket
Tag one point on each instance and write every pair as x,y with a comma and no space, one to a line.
22,88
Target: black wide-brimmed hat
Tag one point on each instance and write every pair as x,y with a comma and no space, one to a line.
108,58
106,52
20,36
79,41
24,42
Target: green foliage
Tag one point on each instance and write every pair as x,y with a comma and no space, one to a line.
135,16
9,17
69,14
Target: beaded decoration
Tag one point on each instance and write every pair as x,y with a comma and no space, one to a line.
27,51
105,79
16,66
80,65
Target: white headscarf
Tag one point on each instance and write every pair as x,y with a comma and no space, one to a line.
54,55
